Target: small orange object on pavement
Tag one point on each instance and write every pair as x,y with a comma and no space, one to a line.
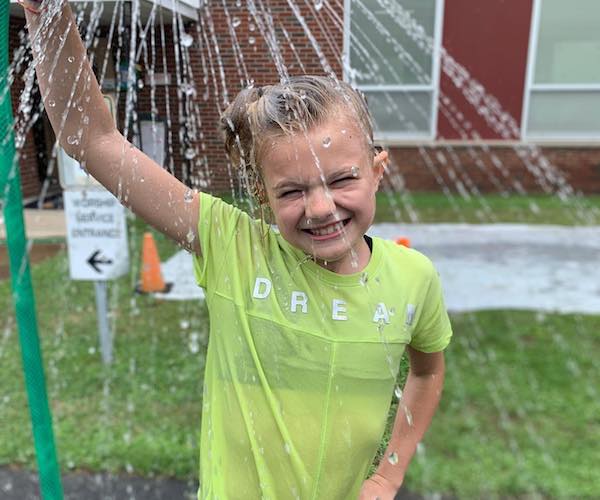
151,279
403,241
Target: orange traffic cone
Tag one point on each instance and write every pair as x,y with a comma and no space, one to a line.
403,241
151,279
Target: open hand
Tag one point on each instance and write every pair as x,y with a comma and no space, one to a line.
377,487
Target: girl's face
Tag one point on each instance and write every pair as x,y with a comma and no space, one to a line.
321,188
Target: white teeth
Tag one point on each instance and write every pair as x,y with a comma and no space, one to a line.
338,226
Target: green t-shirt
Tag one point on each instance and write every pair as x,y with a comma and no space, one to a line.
302,362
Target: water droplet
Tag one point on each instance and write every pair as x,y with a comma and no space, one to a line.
193,344
364,278
140,84
72,139
70,464
326,142
238,3
51,103
236,21
393,458
186,39
70,59
92,350
129,468
398,392
354,170
190,236
184,324
408,415
86,120
533,206
251,27
318,5
188,197
251,40
190,153
188,89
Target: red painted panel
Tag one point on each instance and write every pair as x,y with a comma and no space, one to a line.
490,40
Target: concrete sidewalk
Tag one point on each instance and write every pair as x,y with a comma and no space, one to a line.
41,224
483,266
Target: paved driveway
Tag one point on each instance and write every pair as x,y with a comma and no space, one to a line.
495,266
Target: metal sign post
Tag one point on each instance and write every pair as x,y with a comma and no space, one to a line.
98,251
96,236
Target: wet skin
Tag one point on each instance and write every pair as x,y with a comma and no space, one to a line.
322,192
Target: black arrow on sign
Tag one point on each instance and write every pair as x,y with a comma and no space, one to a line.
95,259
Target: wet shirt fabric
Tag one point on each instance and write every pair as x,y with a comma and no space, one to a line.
302,362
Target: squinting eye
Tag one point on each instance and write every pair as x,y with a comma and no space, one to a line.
289,194
343,180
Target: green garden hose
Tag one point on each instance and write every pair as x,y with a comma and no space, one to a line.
11,201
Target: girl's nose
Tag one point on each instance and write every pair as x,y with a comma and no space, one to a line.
318,203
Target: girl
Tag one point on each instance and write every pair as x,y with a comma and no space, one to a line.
309,320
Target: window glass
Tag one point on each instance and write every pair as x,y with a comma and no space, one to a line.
568,46
398,112
382,50
564,92
561,114
392,61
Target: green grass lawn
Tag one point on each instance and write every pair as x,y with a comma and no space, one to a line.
491,208
520,412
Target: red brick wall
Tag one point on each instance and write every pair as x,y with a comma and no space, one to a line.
497,169
30,181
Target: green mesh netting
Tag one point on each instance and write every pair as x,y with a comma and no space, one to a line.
11,201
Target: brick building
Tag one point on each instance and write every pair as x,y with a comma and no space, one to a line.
495,96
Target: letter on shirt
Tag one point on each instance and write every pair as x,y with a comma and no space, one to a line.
263,293
381,313
299,299
338,310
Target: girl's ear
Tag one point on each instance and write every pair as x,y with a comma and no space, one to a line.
379,164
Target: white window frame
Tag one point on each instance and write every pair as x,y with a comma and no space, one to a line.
432,88
531,86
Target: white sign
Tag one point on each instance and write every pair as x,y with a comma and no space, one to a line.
71,174
153,140
96,235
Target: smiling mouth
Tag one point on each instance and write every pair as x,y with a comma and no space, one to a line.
331,229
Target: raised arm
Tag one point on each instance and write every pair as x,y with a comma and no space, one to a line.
422,393
85,129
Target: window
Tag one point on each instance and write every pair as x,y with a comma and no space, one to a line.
392,55
562,100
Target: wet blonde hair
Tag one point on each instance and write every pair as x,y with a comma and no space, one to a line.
295,106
